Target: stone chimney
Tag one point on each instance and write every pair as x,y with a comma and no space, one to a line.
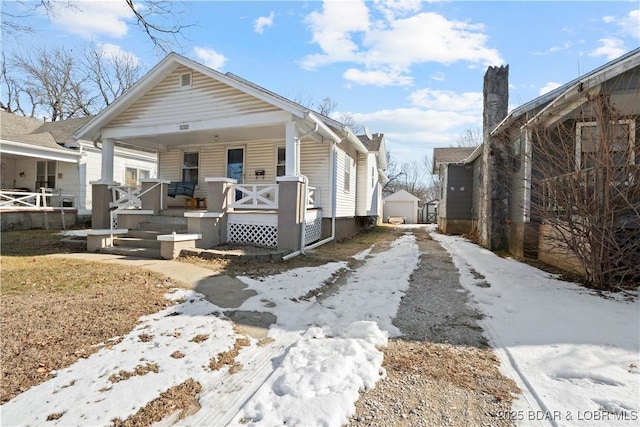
493,227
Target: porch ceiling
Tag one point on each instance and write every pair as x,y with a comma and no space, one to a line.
226,135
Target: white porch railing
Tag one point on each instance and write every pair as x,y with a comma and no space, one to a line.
313,197
129,196
46,199
255,196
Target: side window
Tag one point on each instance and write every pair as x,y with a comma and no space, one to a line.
46,174
133,176
281,161
347,172
190,162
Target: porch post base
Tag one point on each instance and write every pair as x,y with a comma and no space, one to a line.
290,194
206,224
100,198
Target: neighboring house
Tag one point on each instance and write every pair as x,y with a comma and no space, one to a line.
457,190
272,172
39,155
401,204
521,159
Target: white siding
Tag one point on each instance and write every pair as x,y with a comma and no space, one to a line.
367,181
205,99
315,160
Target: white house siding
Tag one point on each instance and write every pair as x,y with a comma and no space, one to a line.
205,99
315,160
345,200
367,179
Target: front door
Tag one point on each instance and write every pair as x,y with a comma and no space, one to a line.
235,164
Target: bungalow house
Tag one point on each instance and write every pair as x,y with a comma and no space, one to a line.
457,190
560,171
45,170
249,166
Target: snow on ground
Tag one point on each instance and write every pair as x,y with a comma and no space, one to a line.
321,354
575,354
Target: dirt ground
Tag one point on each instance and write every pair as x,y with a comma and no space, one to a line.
56,312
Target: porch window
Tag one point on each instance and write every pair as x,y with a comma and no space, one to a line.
46,174
347,173
190,162
281,161
621,142
133,176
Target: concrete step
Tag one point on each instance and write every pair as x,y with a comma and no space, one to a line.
135,242
163,228
144,234
161,219
150,253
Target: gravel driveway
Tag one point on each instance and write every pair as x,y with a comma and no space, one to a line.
441,372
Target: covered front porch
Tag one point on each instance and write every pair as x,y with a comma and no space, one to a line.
284,215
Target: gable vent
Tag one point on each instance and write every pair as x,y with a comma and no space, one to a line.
184,127
185,80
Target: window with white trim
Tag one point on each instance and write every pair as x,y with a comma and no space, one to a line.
133,176
46,174
190,164
347,172
281,159
622,141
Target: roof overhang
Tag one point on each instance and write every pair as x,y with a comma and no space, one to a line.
20,149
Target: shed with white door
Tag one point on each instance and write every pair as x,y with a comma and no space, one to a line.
401,204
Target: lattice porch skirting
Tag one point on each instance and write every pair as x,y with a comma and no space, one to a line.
255,229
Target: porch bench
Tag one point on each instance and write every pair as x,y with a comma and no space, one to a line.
186,189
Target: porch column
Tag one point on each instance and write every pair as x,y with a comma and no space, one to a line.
108,146
292,157
290,195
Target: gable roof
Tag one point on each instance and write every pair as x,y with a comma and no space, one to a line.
605,72
446,155
325,126
402,196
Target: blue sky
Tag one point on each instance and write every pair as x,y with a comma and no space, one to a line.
409,69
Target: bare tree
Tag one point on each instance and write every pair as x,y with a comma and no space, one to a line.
470,138
54,82
586,191
160,20
110,75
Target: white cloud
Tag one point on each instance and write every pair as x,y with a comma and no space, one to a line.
548,87
210,57
377,77
611,48
113,51
403,120
88,19
395,41
332,32
262,22
429,98
630,24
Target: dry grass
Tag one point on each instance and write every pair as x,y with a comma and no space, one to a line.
182,398
55,311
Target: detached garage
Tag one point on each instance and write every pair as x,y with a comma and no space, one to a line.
401,204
